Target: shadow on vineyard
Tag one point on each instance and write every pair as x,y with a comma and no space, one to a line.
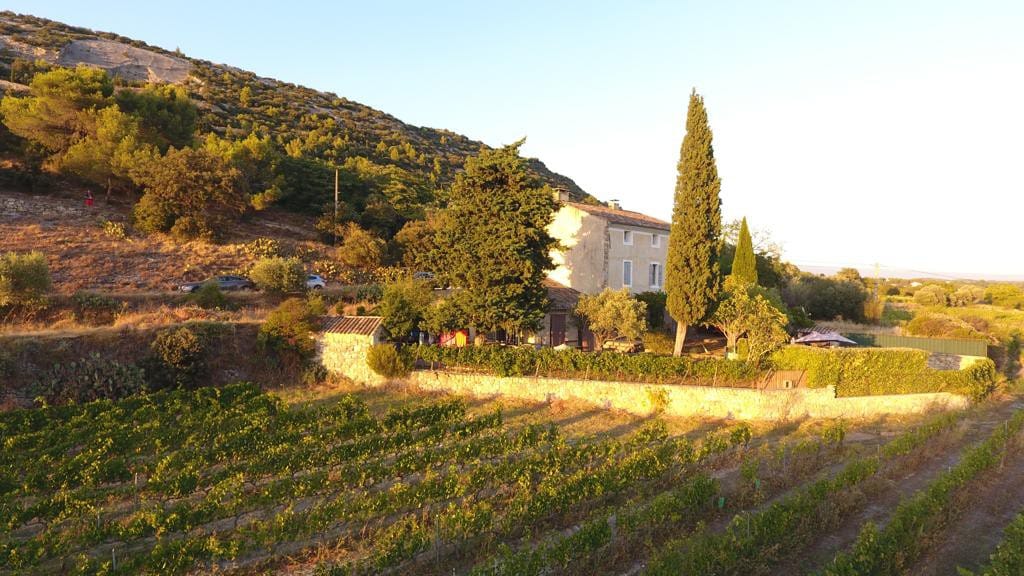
390,480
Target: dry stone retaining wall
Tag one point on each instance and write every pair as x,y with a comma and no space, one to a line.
346,355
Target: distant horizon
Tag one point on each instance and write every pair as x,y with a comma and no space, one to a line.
850,135
909,274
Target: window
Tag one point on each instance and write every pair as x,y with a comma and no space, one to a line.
655,240
627,273
657,275
627,237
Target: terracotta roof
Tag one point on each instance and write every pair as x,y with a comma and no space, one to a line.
361,325
562,297
625,217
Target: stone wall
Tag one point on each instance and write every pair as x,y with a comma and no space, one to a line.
689,401
346,355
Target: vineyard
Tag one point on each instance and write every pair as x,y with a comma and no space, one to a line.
235,480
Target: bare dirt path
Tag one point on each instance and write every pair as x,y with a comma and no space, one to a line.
883,497
985,512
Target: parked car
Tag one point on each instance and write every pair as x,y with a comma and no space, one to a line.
315,282
226,283
624,345
422,275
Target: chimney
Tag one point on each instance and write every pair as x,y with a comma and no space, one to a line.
614,204
560,194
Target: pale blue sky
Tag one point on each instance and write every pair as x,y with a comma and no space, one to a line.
857,132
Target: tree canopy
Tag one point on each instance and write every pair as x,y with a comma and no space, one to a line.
492,243
692,270
189,192
745,310
403,305
613,313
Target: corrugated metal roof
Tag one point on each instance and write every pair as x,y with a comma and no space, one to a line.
561,296
361,325
625,217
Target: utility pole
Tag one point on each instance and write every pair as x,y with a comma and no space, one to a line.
335,223
878,292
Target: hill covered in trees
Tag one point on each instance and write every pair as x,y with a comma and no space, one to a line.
283,141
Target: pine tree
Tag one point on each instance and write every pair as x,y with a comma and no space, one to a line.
692,272
492,244
744,263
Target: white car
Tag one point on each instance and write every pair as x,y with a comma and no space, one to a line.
315,282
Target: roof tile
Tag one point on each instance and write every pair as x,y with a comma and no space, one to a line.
625,217
361,325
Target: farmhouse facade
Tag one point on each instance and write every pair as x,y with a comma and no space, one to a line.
607,247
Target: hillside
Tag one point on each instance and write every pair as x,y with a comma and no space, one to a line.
235,103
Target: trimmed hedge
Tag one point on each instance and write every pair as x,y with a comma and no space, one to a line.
875,371
510,361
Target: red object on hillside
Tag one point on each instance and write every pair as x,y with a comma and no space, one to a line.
88,199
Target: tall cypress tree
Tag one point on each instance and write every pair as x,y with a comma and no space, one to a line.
692,275
744,263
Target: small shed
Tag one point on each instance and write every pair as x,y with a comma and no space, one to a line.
824,339
344,342
560,325
355,327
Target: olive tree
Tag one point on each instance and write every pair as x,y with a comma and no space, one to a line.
613,313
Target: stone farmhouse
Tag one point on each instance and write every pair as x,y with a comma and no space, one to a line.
607,247
602,247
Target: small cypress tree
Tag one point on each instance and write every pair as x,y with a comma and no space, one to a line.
744,263
691,272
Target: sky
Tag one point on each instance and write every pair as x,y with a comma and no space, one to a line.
856,133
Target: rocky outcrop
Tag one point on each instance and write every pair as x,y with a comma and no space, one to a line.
125,61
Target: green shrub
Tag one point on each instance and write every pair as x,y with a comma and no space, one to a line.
1005,295
942,326
88,379
314,373
279,275
263,248
115,230
187,228
370,293
507,361
659,342
179,355
209,296
24,279
656,304
930,295
387,361
287,332
874,371
826,298
95,309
